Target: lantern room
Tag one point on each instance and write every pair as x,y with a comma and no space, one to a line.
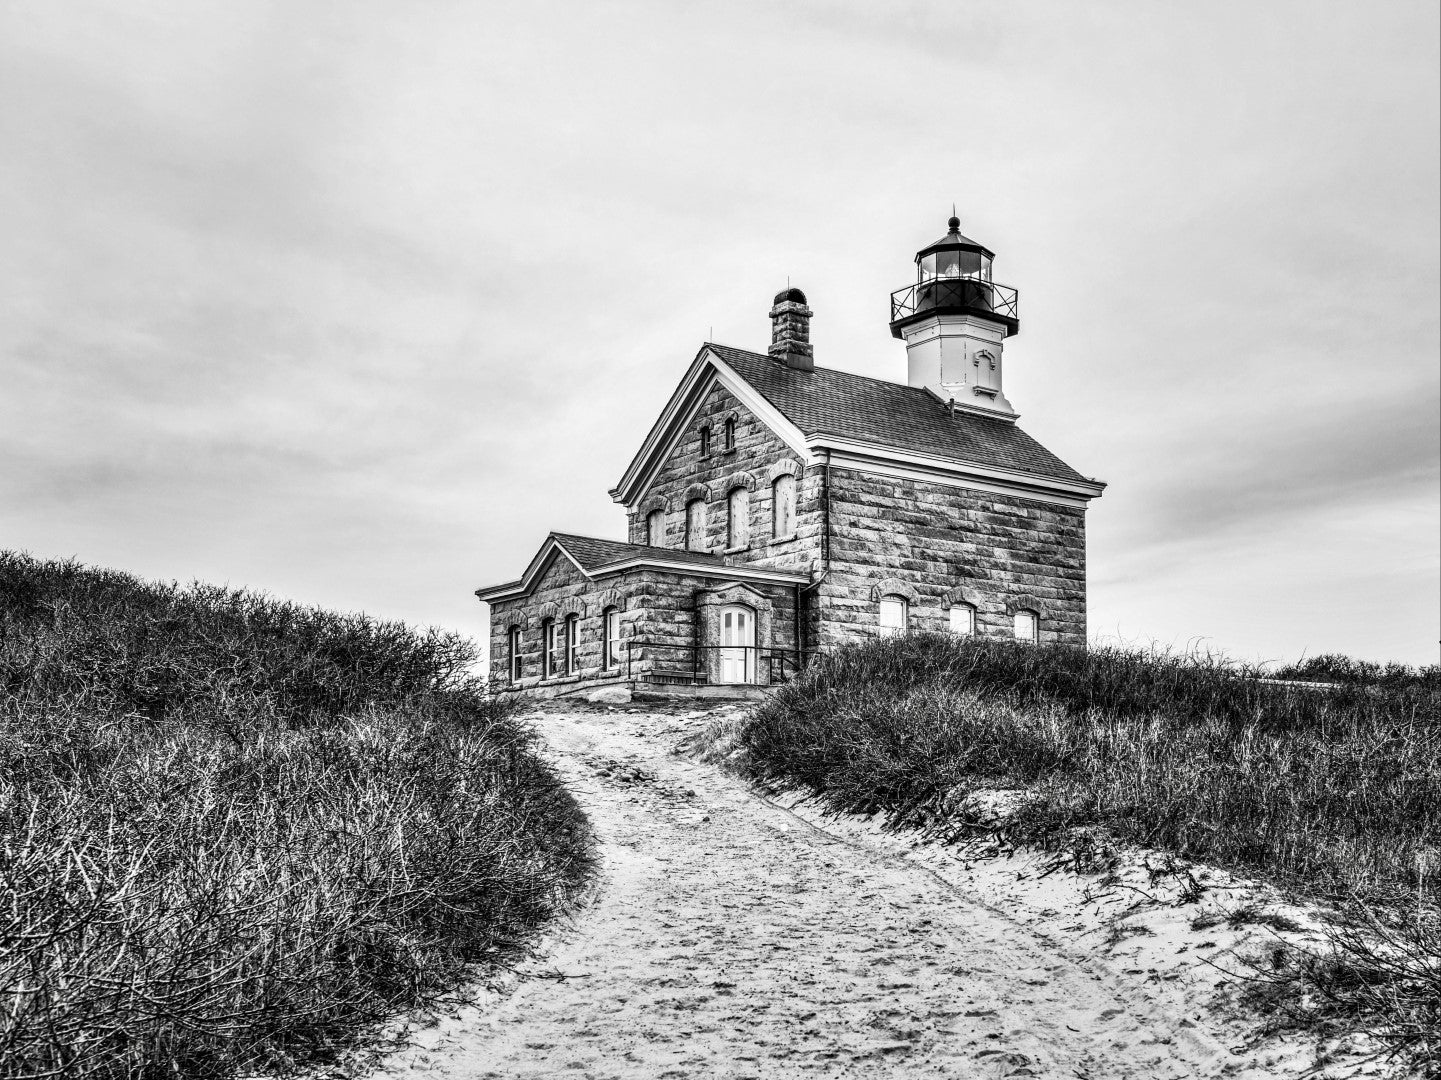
953,276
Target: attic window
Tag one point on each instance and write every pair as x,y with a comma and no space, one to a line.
655,528
730,434
705,441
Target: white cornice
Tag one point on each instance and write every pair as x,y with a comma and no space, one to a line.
729,572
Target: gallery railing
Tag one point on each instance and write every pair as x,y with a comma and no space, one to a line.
711,664
974,294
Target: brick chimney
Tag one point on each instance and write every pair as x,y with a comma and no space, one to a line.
791,331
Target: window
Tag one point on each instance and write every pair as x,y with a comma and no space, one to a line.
893,615
549,661
737,525
705,441
783,507
695,525
610,643
1027,626
572,643
730,430
963,619
655,528
512,645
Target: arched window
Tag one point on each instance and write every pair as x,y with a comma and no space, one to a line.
730,430
655,528
1028,626
549,647
963,619
705,441
695,525
738,504
893,615
572,644
512,657
610,638
783,507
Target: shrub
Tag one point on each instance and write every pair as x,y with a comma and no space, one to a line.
1334,792
237,830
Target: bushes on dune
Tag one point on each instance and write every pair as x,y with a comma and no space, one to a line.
1334,792
235,830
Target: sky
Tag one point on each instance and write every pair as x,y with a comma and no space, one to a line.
352,303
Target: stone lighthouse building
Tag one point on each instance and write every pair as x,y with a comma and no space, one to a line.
777,508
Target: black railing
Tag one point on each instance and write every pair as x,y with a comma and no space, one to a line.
973,294
738,665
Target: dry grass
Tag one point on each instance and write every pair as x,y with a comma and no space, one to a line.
1334,793
236,831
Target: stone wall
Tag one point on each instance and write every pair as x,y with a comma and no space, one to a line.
665,610
758,457
561,590
939,545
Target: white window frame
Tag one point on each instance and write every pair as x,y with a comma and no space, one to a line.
1026,625
965,615
572,644
514,666
548,648
610,638
889,605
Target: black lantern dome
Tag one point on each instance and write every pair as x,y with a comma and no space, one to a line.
953,277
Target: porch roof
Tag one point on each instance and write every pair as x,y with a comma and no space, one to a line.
596,558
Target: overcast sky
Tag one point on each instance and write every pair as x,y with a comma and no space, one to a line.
354,302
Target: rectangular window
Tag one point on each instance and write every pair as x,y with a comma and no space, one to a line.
963,619
1027,626
655,528
572,644
548,648
783,507
610,648
705,442
695,525
513,660
892,615
737,513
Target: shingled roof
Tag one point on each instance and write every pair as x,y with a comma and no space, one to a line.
832,402
594,553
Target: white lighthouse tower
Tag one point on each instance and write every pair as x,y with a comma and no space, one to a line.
954,321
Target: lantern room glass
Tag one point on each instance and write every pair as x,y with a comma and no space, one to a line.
954,263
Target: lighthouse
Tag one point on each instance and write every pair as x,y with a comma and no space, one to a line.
954,320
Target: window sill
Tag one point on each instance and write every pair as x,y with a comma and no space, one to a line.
792,538
736,550
728,450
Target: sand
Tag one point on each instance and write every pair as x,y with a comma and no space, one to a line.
734,936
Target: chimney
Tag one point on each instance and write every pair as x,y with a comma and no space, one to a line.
791,331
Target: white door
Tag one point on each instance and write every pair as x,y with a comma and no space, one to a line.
737,639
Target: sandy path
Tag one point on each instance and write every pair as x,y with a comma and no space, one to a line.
732,939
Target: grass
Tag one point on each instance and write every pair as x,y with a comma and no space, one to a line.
234,831
1334,793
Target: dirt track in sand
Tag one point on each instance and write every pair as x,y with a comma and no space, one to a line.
732,939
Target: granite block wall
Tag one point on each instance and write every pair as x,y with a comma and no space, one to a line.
939,545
